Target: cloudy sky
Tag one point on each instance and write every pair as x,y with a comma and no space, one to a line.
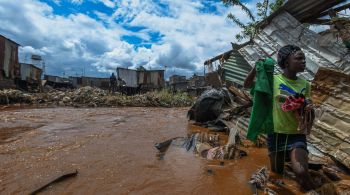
99,35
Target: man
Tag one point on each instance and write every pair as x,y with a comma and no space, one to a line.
112,83
287,142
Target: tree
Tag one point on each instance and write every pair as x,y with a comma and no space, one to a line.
250,29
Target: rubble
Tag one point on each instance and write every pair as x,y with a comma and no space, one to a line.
328,142
95,97
11,96
206,145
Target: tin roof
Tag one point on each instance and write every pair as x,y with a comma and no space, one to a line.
303,10
9,39
285,29
236,68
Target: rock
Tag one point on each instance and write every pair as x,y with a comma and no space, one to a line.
61,103
56,98
66,99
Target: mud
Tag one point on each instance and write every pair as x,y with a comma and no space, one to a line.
112,148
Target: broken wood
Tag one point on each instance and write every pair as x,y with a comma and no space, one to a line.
57,180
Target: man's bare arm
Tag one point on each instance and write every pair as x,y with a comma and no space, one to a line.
249,80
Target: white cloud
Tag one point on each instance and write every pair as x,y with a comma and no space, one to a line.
108,3
78,2
189,36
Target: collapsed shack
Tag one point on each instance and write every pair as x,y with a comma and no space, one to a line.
94,97
288,25
228,111
327,66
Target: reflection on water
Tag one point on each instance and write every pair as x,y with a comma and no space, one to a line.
113,150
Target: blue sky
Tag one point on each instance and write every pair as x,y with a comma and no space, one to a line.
100,35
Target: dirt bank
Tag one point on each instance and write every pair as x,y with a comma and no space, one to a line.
94,97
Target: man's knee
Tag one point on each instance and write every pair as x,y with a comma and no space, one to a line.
300,170
299,162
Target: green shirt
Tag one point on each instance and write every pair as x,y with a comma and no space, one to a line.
261,115
286,122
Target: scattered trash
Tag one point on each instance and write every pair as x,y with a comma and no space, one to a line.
209,105
260,178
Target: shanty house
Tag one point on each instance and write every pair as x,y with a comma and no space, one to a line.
151,79
102,83
178,83
57,82
30,76
9,67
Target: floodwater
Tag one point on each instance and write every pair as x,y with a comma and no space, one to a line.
113,151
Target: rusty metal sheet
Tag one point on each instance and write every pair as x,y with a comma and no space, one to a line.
151,78
29,72
95,82
302,10
129,76
331,131
8,58
285,29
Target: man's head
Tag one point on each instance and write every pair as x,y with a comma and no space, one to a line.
291,58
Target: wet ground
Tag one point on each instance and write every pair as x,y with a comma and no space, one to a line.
113,150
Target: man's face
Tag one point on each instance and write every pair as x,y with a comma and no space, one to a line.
296,62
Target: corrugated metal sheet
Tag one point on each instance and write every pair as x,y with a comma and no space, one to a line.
102,83
283,30
331,131
153,78
30,73
52,78
8,58
303,10
129,76
236,68
157,78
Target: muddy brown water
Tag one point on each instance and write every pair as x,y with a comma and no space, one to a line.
113,150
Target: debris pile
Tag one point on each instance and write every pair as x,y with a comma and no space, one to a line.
211,110
95,97
10,96
227,110
206,145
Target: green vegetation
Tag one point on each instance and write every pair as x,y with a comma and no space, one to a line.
250,29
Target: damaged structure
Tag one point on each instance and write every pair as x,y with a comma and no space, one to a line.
141,80
9,67
30,77
56,81
327,67
178,83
